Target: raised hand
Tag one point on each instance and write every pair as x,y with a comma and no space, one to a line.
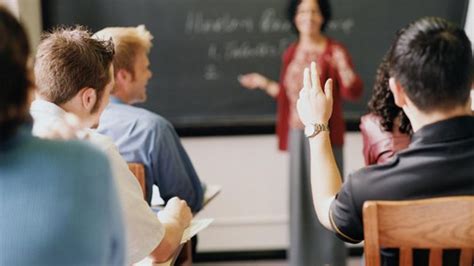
314,105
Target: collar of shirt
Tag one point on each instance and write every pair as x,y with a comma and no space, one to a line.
41,108
114,99
452,129
47,115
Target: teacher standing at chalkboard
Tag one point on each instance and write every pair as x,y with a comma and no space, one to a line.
310,243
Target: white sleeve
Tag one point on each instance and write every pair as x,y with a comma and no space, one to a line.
144,230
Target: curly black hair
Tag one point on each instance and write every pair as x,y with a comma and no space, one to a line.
324,7
383,104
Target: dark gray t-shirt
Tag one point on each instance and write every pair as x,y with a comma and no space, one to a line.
439,162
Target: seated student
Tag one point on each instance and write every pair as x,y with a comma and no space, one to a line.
55,211
431,71
74,74
143,136
385,129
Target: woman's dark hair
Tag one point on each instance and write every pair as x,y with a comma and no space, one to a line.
383,104
324,7
14,78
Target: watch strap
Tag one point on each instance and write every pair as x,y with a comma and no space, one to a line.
318,128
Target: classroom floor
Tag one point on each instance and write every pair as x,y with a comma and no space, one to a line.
354,261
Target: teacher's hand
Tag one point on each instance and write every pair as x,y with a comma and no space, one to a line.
254,81
314,105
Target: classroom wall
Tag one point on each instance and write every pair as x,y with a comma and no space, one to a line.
251,213
29,13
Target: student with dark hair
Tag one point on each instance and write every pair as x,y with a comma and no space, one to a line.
385,129
310,244
55,210
431,72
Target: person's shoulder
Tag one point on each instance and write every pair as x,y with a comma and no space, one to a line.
152,120
470,120
82,151
371,128
125,112
289,51
370,122
142,115
370,119
101,141
366,182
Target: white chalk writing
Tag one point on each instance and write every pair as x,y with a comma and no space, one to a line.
268,22
345,25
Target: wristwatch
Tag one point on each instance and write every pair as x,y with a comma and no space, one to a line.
313,130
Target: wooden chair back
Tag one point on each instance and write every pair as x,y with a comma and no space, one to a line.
138,170
435,224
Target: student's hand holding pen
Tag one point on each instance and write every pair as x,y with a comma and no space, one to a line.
176,211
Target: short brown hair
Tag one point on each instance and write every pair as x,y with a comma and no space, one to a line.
14,78
69,59
128,41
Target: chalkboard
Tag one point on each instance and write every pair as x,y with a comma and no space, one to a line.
201,46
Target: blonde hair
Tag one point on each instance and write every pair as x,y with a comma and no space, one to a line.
128,42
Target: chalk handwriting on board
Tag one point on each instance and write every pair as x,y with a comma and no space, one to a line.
210,72
343,24
237,50
241,50
269,21
197,22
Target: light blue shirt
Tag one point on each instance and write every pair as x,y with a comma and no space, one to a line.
58,204
147,138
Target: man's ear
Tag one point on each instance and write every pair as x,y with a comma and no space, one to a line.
398,92
123,76
89,98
